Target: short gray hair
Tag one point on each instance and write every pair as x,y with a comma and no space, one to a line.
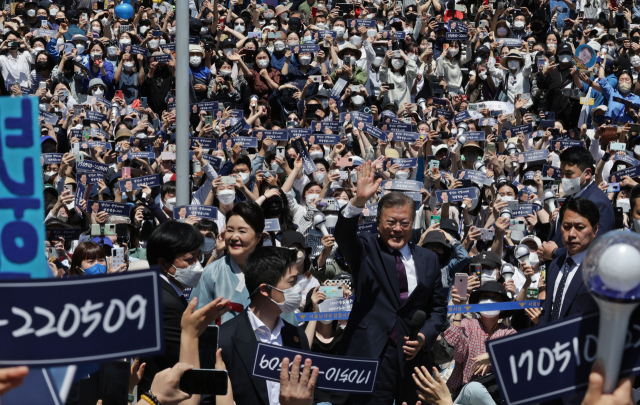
396,199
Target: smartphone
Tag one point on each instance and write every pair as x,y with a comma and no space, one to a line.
398,54
143,102
332,291
280,151
621,146
460,282
618,215
126,173
42,85
114,382
316,79
117,257
119,94
390,86
532,293
314,11
491,148
204,382
69,187
157,33
110,229
476,269
516,224
434,220
486,234
208,345
343,162
229,180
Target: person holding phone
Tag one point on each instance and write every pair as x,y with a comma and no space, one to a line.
397,69
449,63
15,66
99,68
129,76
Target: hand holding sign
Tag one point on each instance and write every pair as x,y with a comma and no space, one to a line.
296,388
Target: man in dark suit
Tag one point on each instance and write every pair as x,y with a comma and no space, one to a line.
271,277
393,279
175,247
577,171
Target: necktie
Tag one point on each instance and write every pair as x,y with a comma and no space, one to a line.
401,272
184,301
557,301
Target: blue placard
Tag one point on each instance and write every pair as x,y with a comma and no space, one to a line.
164,58
374,131
457,36
524,210
355,117
498,306
245,141
487,122
84,319
476,176
325,139
208,106
137,183
214,161
96,116
37,388
475,136
310,48
21,189
49,118
206,143
194,40
626,159
91,166
49,158
448,115
586,55
403,185
65,233
307,162
563,144
509,42
396,127
401,136
138,50
272,225
630,171
200,211
85,178
112,208
299,132
533,156
370,227
551,172
323,33
276,135
93,144
399,35
336,373
404,163
237,128
320,127
169,47
361,22
525,129
462,116
456,194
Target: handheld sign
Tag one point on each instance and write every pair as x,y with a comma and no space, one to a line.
86,319
200,211
336,373
21,189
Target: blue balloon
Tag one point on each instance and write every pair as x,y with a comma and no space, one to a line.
124,11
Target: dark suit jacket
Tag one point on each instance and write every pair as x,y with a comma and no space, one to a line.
239,343
577,300
173,307
376,309
607,220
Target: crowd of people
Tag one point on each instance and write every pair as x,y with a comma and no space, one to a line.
414,155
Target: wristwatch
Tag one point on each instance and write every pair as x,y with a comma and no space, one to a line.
131,398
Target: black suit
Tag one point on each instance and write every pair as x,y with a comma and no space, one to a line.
377,308
239,343
173,307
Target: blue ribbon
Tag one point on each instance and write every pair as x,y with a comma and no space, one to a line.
502,306
322,316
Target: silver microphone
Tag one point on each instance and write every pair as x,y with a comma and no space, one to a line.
522,253
479,166
507,272
538,203
512,148
461,141
505,213
319,222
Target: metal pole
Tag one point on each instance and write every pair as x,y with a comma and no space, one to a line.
182,103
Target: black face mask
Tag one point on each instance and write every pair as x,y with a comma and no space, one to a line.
42,65
295,23
59,21
20,11
536,27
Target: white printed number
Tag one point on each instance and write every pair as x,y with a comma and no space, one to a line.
332,374
72,317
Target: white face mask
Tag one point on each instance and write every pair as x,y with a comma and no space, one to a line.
80,49
307,40
170,203
276,167
513,64
319,177
53,11
128,65
172,30
402,175
38,49
305,60
268,15
95,29
482,75
377,61
48,175
571,186
342,203
98,92
550,45
635,61
227,197
227,51
125,42
163,42
397,63
502,31
453,51
208,245
188,276
31,13
239,28
95,56
153,44
340,32
380,27
284,16
245,177
195,61
278,46
488,275
316,155
292,299
489,314
225,73
357,100
263,63
355,40
518,25
311,199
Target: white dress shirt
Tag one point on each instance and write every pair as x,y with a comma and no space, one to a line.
572,272
349,211
273,338
175,287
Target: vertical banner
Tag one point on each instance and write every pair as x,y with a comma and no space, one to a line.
21,191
